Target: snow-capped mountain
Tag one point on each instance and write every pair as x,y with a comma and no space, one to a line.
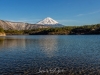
48,21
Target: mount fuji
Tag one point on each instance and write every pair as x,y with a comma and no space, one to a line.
49,22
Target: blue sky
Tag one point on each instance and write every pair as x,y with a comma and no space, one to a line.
66,12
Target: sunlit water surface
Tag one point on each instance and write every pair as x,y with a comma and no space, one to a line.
30,53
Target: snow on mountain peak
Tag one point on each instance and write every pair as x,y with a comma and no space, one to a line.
48,21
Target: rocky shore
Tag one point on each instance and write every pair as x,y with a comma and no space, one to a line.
2,34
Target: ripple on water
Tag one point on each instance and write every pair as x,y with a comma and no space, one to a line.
76,55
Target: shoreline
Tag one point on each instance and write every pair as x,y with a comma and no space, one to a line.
55,71
2,34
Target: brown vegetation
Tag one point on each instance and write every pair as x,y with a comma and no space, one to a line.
66,30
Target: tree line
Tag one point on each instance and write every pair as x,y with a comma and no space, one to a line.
66,30
1,29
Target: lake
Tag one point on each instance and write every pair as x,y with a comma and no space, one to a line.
46,54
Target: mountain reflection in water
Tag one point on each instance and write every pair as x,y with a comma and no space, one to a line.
48,44
12,43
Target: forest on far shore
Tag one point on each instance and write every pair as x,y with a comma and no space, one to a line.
66,30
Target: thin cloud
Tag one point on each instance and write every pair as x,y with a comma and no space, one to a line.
95,12
37,20
26,20
67,21
80,15
88,13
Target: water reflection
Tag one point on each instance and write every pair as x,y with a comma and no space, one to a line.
12,43
46,45
1,42
75,53
49,45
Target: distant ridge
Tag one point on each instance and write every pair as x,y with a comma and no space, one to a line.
8,25
47,22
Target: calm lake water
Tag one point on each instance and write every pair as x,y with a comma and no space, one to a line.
20,54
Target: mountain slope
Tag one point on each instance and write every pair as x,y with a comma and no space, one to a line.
7,25
48,21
